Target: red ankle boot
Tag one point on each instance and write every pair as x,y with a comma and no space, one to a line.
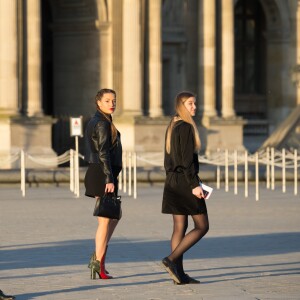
103,274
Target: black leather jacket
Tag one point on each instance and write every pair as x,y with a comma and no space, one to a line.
99,147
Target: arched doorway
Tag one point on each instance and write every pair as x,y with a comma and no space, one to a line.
250,60
47,58
174,51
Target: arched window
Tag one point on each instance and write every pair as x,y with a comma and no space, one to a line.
250,59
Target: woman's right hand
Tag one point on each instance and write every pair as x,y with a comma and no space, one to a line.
198,192
109,188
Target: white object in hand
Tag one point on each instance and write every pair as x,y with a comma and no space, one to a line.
207,190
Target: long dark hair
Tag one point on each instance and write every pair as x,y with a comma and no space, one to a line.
98,97
183,114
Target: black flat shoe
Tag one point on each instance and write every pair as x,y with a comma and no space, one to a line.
6,297
172,270
186,279
182,283
190,280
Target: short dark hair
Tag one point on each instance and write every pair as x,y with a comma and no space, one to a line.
101,92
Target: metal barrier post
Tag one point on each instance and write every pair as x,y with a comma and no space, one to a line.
121,180
76,168
226,171
72,170
235,173
295,172
129,173
256,177
283,171
134,176
268,168
124,171
246,174
218,171
272,169
23,175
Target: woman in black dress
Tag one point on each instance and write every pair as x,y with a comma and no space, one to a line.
104,155
183,195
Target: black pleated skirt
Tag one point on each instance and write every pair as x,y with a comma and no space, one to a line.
178,198
94,181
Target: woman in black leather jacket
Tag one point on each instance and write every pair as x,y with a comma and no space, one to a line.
104,155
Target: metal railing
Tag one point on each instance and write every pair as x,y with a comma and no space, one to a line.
127,184
270,159
228,160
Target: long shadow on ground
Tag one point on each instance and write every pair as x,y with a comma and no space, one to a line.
77,252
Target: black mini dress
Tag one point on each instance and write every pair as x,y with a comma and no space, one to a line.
182,169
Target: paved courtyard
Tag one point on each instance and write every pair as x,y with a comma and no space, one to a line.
252,250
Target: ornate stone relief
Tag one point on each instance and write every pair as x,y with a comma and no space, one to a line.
173,13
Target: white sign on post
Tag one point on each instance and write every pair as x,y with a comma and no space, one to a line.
76,126
76,131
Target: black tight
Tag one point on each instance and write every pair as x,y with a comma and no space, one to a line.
181,242
180,225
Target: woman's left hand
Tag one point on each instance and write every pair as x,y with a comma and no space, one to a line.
198,192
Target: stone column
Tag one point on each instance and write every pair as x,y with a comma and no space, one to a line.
228,58
117,54
155,60
106,53
8,57
106,72
132,65
34,78
297,33
207,59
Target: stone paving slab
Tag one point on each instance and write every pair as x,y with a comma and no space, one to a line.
252,250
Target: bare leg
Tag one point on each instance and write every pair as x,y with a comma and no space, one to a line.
111,228
102,235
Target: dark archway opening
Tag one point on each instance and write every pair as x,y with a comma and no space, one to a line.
250,60
47,58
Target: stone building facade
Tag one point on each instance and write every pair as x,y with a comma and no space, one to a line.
241,58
